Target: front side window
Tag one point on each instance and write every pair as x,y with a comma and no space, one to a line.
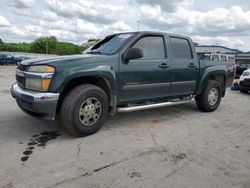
180,48
153,47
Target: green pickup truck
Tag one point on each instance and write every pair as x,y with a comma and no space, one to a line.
123,72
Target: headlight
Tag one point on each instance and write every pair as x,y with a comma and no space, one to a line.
245,73
41,69
37,84
40,77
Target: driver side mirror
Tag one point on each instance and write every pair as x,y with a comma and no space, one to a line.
133,53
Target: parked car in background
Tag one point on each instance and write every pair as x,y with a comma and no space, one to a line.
241,68
216,57
6,59
245,81
123,72
220,59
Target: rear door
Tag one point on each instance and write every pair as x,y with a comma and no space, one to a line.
185,67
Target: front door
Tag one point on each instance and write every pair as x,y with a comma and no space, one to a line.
147,77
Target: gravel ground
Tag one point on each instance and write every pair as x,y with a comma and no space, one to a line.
176,146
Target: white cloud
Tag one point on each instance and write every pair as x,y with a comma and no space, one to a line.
166,5
23,3
87,10
4,22
220,21
78,20
230,42
49,15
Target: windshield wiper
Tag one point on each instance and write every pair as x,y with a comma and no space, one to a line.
94,52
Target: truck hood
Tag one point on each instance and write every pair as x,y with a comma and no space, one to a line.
60,59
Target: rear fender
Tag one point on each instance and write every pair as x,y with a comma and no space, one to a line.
211,72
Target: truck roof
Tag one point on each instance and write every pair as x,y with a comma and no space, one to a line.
153,32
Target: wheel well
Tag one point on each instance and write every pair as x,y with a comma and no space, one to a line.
220,78
98,81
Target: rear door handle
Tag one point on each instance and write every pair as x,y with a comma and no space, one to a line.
163,65
191,65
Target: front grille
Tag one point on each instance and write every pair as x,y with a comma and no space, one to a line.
247,80
20,81
245,83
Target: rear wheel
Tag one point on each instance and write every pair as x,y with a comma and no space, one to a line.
84,110
210,98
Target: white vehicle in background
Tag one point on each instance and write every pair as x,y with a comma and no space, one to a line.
245,81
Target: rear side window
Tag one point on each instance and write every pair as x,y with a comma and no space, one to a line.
223,58
153,47
180,48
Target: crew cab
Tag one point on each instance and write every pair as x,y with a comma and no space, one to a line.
124,72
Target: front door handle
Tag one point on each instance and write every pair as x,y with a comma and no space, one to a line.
191,65
164,65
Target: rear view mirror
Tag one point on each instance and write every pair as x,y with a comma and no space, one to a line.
133,53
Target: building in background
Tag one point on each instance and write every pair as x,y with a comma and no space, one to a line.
240,57
216,49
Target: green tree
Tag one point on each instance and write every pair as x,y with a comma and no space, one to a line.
39,46
45,45
65,48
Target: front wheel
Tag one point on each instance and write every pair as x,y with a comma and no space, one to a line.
84,110
210,98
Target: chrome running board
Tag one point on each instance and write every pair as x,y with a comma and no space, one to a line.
155,105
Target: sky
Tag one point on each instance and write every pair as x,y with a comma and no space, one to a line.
207,22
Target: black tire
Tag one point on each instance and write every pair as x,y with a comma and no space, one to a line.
243,90
72,104
202,100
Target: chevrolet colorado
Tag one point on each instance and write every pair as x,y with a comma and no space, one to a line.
123,72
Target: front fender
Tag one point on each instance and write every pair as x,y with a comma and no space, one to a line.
209,71
62,78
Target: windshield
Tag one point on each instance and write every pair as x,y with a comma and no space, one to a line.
110,44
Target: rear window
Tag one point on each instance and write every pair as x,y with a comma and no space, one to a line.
180,48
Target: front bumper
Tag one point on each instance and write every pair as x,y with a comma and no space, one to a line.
245,84
38,104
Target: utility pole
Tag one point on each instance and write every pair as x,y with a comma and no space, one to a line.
47,46
76,25
139,22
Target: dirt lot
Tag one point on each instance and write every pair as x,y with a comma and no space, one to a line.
169,147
